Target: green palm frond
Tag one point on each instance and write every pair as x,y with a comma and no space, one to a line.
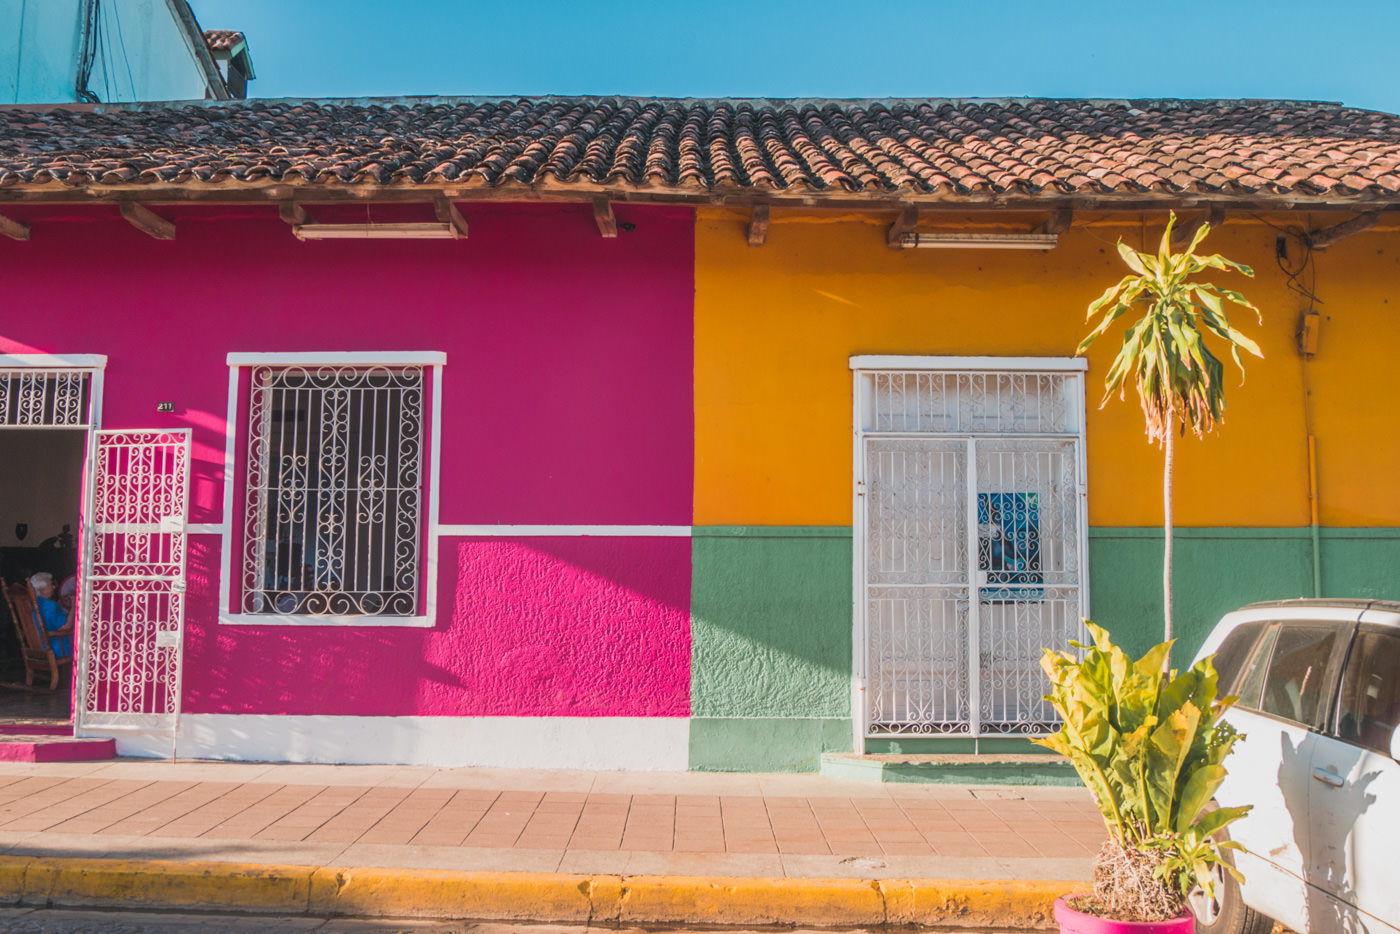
1165,355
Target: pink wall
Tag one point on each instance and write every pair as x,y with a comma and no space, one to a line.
566,400
532,627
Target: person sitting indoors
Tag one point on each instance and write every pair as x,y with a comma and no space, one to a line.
52,616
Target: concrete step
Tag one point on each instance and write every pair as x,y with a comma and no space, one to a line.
51,742
953,769
35,728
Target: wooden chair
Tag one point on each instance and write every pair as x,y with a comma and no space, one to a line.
34,645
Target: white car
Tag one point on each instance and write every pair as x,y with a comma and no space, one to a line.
1319,706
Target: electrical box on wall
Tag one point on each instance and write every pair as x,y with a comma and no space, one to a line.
1308,329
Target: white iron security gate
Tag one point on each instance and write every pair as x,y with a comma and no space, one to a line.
970,505
134,587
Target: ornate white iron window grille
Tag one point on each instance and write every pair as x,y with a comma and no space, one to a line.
34,398
335,500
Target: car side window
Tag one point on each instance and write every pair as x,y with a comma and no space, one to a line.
1297,675
1232,654
1370,707
1252,685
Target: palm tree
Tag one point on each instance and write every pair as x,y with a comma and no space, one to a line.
1179,382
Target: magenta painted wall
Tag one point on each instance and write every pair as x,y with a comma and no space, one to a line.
567,399
532,627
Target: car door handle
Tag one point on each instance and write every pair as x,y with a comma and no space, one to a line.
1328,777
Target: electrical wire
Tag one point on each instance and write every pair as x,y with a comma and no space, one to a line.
126,59
87,52
1306,267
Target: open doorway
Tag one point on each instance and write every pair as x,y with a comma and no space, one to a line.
41,489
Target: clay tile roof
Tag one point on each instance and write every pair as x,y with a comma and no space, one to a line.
222,40
989,149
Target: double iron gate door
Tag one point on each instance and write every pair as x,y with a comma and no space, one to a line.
971,486
132,582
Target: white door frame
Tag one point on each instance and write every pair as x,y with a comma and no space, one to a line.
94,365
866,365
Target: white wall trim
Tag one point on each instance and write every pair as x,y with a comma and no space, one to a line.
563,531
232,515
52,361
341,358
656,744
204,528
1032,364
281,619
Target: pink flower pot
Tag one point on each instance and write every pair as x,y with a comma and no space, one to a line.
1077,922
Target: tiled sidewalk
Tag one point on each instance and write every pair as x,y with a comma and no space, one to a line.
575,822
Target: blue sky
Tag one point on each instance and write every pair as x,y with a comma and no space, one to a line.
938,48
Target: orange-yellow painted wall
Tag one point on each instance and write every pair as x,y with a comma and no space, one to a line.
774,326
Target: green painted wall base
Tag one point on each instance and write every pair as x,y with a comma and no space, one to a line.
764,744
1216,570
953,745
954,769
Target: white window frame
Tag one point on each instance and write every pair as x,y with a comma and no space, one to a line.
865,365
234,499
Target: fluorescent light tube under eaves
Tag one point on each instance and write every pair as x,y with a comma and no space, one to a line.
416,231
981,241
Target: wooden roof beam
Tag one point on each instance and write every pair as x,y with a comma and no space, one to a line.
447,213
906,222
758,225
13,228
147,221
605,219
292,213
1327,236
1183,233
1057,223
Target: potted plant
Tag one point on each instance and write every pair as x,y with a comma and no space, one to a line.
1150,745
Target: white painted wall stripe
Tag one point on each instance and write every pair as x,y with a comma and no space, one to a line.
650,744
618,531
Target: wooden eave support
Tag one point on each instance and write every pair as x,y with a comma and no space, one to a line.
758,225
292,213
905,224
604,218
1057,223
1327,236
147,221
448,214
1183,233
13,228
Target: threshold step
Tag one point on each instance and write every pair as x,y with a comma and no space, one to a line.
46,747
953,769
38,728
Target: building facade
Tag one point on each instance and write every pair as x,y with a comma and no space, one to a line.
574,433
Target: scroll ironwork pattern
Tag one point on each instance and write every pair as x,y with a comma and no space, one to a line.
135,591
334,498
32,398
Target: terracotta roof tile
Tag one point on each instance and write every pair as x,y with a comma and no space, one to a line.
222,40
917,147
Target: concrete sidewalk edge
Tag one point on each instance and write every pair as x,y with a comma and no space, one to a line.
451,895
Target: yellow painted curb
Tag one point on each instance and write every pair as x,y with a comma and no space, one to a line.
447,894
751,901
426,893
140,883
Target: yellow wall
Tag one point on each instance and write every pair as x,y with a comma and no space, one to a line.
774,326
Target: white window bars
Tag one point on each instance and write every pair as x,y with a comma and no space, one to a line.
37,398
334,491
970,526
